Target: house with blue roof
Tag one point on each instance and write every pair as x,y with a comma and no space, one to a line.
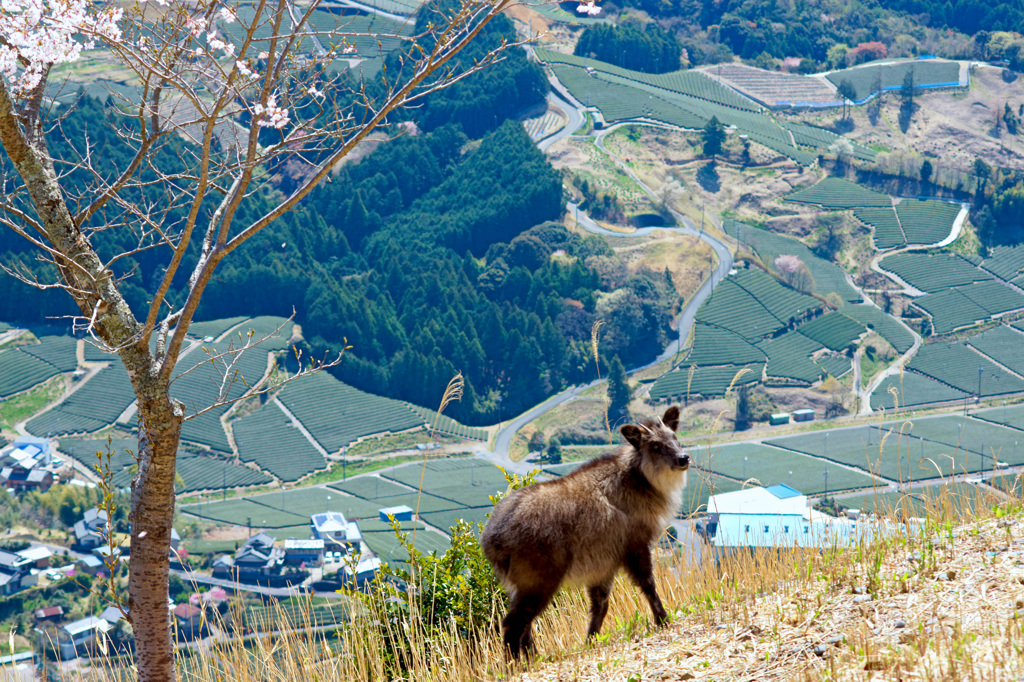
778,517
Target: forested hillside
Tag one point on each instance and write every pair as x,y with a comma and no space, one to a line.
431,255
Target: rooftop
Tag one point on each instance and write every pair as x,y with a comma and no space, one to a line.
329,522
187,611
86,624
36,553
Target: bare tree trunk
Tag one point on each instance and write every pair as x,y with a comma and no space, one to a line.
151,518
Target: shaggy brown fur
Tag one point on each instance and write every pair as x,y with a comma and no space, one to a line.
586,526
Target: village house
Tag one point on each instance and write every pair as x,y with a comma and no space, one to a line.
75,638
90,531
15,573
188,619
298,551
49,613
338,534
258,561
90,564
777,517
39,555
28,465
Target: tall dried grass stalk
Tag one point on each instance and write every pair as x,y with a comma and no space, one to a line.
594,330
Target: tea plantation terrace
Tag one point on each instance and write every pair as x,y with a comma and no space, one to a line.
284,439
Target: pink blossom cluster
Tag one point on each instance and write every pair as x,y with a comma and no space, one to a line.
37,33
788,264
271,115
590,8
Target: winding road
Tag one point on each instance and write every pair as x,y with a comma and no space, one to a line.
560,99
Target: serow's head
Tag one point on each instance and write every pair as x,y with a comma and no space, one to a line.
655,442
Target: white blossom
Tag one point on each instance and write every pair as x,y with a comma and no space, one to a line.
271,115
35,33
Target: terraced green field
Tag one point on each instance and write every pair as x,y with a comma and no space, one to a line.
773,465
899,458
427,502
700,485
468,482
950,310
59,351
933,272
914,389
828,277
214,328
21,371
198,384
789,357
982,438
926,222
731,307
784,303
268,438
1012,417
692,83
99,402
994,296
448,426
834,192
84,450
887,231
958,366
1002,344
1005,262
202,472
707,381
621,97
833,330
819,139
883,324
718,346
926,73
936,501
351,413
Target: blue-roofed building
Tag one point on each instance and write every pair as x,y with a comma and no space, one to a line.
400,513
778,517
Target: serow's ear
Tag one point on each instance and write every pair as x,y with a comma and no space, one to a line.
632,434
671,418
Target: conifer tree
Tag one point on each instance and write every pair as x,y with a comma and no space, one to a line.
619,394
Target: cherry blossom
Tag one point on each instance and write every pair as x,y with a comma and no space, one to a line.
38,33
590,8
271,115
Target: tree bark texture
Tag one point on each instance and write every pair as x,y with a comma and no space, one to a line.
95,292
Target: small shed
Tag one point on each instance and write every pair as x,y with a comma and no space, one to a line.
779,418
804,415
401,513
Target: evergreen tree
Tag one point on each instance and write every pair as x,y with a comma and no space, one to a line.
848,92
742,421
619,394
554,452
536,441
907,100
713,136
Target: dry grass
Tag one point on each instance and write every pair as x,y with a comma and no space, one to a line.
942,600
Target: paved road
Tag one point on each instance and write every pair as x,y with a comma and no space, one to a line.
564,101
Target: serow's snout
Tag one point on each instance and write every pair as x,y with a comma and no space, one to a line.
682,462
